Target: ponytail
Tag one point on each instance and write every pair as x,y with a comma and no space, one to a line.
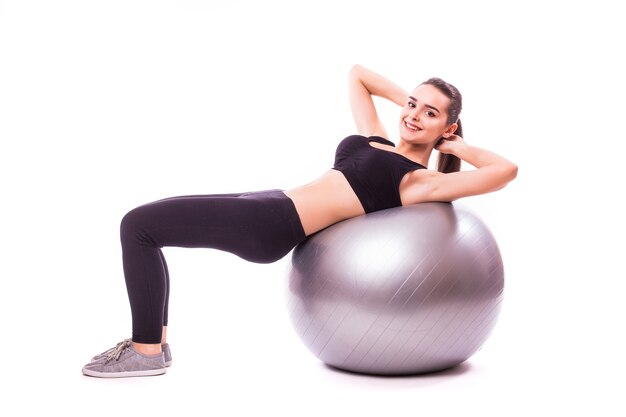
447,162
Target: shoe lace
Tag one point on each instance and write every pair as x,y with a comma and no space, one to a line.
117,351
109,350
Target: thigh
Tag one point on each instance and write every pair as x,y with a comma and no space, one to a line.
259,226
183,197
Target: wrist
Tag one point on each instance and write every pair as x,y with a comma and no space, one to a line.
378,85
460,150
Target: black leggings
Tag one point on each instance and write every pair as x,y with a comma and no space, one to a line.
261,226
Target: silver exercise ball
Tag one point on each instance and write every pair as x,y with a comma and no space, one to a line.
400,291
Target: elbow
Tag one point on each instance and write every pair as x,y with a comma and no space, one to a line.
511,172
507,174
506,171
354,71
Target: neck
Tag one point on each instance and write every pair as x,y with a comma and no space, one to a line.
419,153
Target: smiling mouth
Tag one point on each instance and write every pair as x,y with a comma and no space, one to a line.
412,127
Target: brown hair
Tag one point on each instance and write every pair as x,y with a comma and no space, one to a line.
446,162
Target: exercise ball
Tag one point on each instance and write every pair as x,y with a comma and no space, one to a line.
406,290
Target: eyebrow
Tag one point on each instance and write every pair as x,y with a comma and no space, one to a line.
427,105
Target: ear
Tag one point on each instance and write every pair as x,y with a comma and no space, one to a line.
450,130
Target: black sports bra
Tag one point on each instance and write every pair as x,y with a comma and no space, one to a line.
374,174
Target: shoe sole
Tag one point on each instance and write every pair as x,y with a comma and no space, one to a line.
147,372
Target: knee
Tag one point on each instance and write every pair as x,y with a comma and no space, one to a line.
133,227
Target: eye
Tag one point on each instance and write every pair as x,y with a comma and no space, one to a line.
430,114
411,104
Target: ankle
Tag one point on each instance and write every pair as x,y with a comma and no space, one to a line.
164,335
147,349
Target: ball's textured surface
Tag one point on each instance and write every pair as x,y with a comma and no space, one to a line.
401,291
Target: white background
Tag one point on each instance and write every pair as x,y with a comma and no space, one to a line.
105,105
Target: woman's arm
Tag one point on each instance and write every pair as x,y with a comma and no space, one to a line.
493,172
362,85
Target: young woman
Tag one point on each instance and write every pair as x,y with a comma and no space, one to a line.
369,174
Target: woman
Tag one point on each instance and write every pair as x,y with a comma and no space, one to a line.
369,174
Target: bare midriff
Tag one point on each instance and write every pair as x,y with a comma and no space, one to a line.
325,201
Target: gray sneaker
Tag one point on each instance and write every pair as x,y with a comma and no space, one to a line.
125,361
165,347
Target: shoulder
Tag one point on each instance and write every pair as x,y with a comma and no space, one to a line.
353,140
368,137
356,137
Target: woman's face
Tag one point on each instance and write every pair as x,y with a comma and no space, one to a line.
424,117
